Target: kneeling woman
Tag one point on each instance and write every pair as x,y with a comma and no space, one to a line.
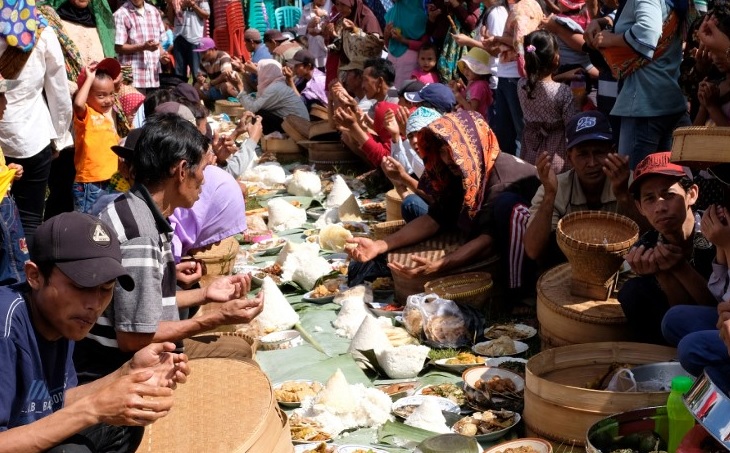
465,173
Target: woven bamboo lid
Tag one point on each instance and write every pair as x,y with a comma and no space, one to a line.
433,248
222,408
319,111
701,144
296,128
553,289
461,286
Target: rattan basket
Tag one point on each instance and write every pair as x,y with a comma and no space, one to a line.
594,243
699,144
383,229
471,288
218,260
296,128
331,156
232,109
393,203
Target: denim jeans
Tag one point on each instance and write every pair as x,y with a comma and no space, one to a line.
86,194
693,330
13,249
641,136
508,121
413,207
30,190
102,438
185,58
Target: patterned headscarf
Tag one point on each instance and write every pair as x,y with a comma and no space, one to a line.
420,118
473,147
131,101
19,23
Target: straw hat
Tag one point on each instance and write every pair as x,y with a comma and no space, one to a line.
477,60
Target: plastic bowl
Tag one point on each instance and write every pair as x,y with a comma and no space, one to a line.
284,339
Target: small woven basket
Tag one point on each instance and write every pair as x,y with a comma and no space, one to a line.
296,128
594,243
701,144
218,260
383,229
471,288
232,109
393,203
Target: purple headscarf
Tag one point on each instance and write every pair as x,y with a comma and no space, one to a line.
219,213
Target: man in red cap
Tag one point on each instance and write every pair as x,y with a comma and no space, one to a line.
75,265
674,260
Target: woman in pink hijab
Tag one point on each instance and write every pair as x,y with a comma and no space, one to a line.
274,99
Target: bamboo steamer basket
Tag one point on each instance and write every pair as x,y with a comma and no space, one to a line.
594,243
296,128
566,319
393,203
331,156
700,144
286,150
470,289
232,109
559,408
218,260
433,249
384,229
214,415
319,111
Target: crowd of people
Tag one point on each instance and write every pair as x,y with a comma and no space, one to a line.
488,117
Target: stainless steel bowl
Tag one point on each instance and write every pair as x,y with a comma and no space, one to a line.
659,374
711,408
602,433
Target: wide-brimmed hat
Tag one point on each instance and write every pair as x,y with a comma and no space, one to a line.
477,60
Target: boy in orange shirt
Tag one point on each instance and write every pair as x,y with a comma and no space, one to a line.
94,132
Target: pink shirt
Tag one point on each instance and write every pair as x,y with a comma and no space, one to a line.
479,89
425,77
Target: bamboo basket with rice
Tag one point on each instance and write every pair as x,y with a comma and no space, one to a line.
594,243
470,289
560,407
218,260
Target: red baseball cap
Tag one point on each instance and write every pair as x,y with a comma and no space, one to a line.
657,164
109,65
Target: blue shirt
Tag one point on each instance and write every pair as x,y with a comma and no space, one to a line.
35,372
261,53
652,90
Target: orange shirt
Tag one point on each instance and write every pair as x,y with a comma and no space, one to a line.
93,138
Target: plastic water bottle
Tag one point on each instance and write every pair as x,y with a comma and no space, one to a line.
680,418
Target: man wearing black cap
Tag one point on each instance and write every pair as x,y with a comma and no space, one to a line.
305,79
75,265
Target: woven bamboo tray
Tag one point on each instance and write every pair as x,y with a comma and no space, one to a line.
384,229
471,288
296,128
701,144
567,319
557,404
594,243
226,406
319,111
218,260
232,109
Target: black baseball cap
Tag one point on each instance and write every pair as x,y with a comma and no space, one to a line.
586,126
82,247
303,56
126,150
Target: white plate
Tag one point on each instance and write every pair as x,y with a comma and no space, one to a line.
538,445
317,300
454,368
291,404
416,400
520,347
497,361
494,435
354,448
301,448
269,246
522,332
471,376
378,310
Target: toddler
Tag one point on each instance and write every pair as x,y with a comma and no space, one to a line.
426,71
477,95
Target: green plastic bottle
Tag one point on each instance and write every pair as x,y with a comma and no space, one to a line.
680,419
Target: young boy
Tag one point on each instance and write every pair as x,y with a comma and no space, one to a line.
426,71
94,132
13,249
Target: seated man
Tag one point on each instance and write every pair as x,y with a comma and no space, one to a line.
305,79
598,181
75,265
674,260
694,329
168,173
216,71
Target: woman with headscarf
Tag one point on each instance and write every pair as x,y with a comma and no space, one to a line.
463,162
274,99
351,19
404,35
